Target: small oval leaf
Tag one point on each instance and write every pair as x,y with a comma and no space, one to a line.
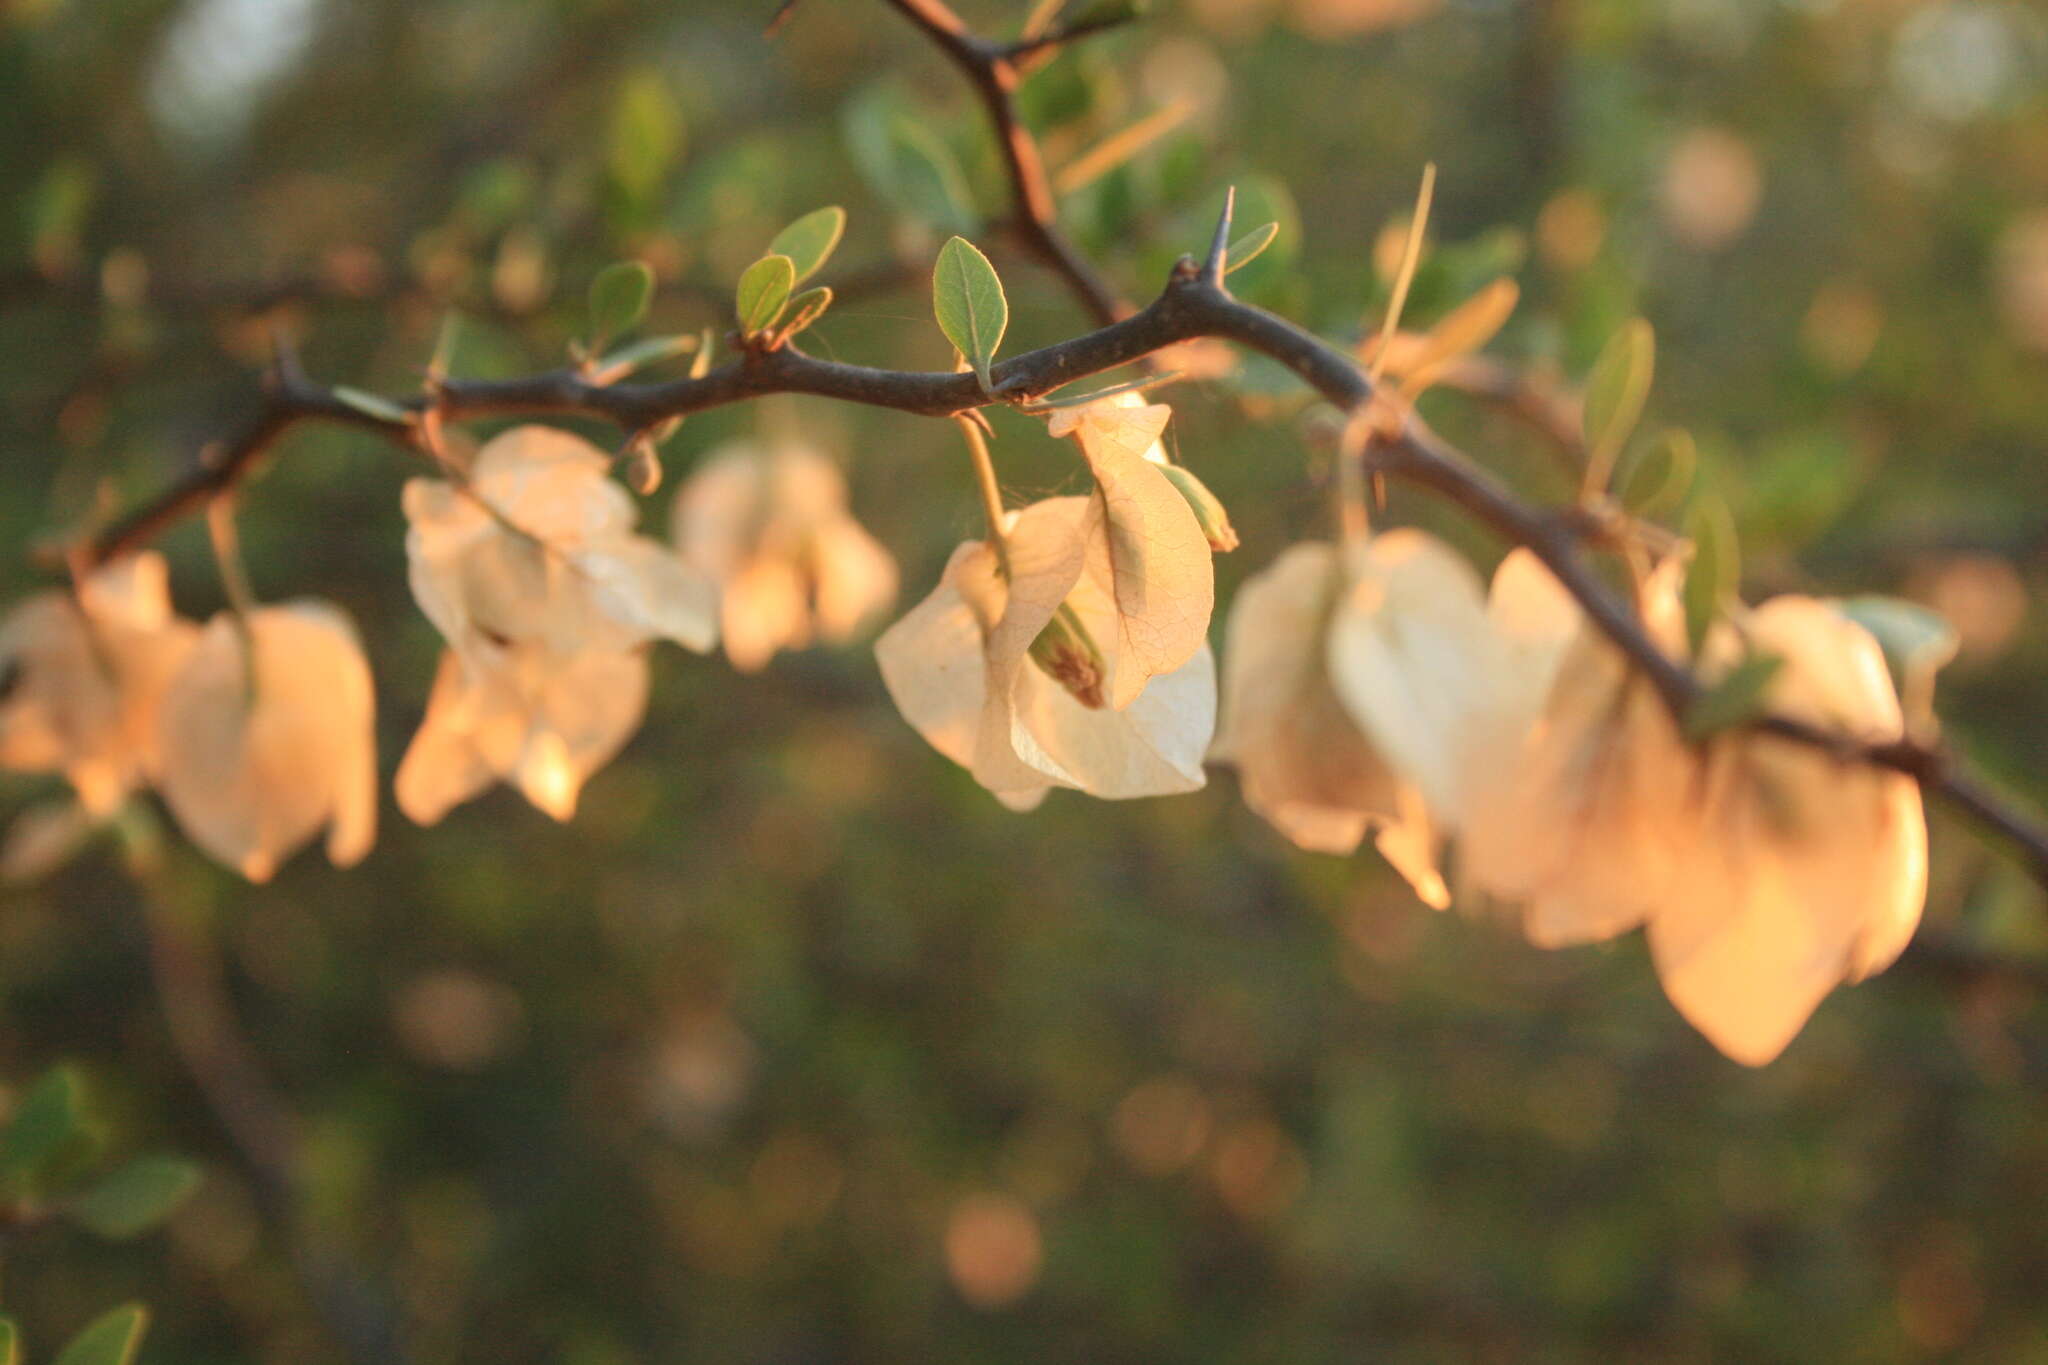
810,241
110,1340
619,296
1659,478
1616,392
47,1119
1736,699
806,308
1716,570
763,290
137,1197
967,298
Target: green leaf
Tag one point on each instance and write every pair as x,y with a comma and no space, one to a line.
1917,643
646,136
1660,476
1736,699
137,1197
967,297
1617,391
619,296
370,405
1911,635
810,241
641,354
806,308
907,163
1716,571
1246,249
111,1340
10,1343
763,290
1104,12
1053,402
1797,484
46,1121
1210,513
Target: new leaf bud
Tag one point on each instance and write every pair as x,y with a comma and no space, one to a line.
1208,510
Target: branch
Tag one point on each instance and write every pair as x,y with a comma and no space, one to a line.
1191,306
1052,41
993,72
1196,303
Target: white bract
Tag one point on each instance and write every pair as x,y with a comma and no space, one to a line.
1801,872
1119,698
958,667
1144,555
542,722
1413,658
546,596
1579,818
538,548
81,678
772,529
257,757
1303,762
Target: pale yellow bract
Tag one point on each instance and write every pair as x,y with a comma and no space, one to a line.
1800,872
1577,786
547,597
542,722
86,675
257,758
772,529
1304,764
1132,565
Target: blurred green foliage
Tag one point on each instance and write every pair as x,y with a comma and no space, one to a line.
795,1046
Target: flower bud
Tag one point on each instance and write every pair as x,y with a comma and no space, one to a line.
1068,655
1208,510
643,468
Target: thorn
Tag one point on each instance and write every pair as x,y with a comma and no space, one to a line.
780,17
1219,245
980,419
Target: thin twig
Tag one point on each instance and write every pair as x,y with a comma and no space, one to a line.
1029,47
1190,307
994,77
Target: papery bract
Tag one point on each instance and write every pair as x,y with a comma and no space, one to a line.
1801,871
772,529
539,548
542,722
1145,556
81,678
256,758
1303,762
959,668
1413,657
1579,819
